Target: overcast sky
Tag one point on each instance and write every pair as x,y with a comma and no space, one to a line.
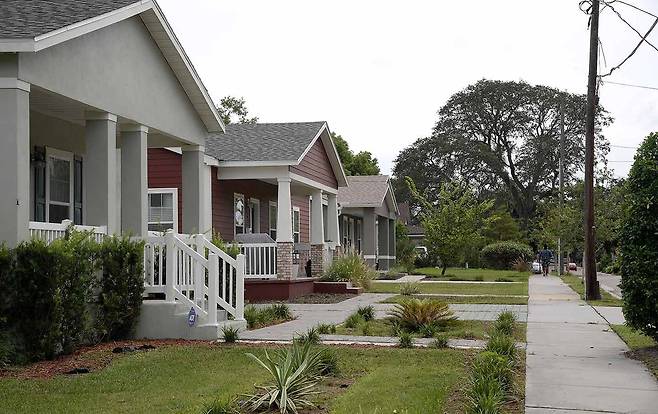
378,71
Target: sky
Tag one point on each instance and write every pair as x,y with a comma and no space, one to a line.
378,71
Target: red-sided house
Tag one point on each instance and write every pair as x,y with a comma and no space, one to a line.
272,189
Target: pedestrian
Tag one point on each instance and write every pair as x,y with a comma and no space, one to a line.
546,256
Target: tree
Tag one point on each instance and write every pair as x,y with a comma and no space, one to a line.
361,163
405,252
453,224
231,108
502,138
639,249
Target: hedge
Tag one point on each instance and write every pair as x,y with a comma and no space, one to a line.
502,255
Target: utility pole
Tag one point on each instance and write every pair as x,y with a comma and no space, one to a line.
589,259
560,263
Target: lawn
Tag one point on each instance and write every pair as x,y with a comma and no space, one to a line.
487,275
642,347
576,283
182,378
456,288
500,300
456,330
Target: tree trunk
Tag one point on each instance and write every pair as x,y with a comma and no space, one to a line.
443,270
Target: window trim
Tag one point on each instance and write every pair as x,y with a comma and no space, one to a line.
65,156
269,218
299,224
165,190
237,196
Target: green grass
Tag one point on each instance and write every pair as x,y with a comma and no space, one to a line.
182,378
487,275
457,330
509,300
642,347
576,283
456,288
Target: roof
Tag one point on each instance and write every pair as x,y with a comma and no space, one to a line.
34,25
274,142
414,230
21,19
364,191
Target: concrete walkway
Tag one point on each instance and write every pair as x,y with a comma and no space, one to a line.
575,363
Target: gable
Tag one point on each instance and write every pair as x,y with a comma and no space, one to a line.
118,69
316,166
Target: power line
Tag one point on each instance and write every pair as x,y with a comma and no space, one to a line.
631,85
623,146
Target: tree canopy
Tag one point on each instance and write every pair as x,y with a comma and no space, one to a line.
361,163
502,139
234,110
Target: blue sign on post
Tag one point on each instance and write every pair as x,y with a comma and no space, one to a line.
191,317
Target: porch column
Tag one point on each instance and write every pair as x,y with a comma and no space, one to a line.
14,160
391,241
206,219
383,243
284,240
134,186
193,189
333,228
100,170
369,241
317,235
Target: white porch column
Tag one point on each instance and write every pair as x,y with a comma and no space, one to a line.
100,170
317,226
134,187
333,231
206,218
193,189
284,212
14,160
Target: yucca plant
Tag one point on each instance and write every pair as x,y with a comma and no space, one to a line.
230,334
311,336
295,373
366,312
412,314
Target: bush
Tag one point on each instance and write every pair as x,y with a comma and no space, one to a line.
351,267
230,334
502,345
6,304
485,396
329,361
440,341
490,364
353,321
365,328
281,311
121,286
501,255
639,249
409,288
505,323
311,336
232,250
405,339
520,265
366,312
325,328
412,314
268,315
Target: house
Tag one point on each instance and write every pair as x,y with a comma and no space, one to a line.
368,213
86,88
273,189
415,232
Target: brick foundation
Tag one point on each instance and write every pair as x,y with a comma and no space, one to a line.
284,265
317,260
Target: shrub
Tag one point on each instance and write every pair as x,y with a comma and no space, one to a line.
365,328
268,315
221,406
353,321
520,265
490,364
251,315
281,311
366,312
295,373
428,330
231,249
409,288
325,328
502,345
505,323
485,396
405,339
414,313
501,255
329,362
121,286
311,336
6,304
639,249
350,267
440,341
230,334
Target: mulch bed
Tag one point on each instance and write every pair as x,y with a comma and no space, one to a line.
317,298
89,358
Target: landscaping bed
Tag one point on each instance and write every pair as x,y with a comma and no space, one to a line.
491,300
317,298
475,275
576,284
643,348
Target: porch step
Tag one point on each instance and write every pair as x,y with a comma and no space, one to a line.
160,319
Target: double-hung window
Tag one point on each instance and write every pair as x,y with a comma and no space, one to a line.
163,209
57,186
296,224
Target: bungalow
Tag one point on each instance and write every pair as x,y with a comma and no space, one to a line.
367,218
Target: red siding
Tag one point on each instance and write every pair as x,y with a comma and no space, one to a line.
316,166
165,171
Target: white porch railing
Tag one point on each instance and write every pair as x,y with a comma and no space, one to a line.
49,232
260,260
192,270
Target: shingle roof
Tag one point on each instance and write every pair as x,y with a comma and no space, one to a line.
20,19
263,142
364,191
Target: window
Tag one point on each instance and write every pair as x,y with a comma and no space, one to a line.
254,216
357,232
59,185
295,224
77,191
238,213
163,209
346,237
273,218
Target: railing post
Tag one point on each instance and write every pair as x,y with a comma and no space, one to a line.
213,287
171,266
199,273
239,288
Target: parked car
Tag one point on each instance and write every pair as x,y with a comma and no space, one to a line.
536,267
572,266
421,251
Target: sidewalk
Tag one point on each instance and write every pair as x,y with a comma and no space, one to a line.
575,363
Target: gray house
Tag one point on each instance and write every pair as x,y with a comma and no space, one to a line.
86,86
368,213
